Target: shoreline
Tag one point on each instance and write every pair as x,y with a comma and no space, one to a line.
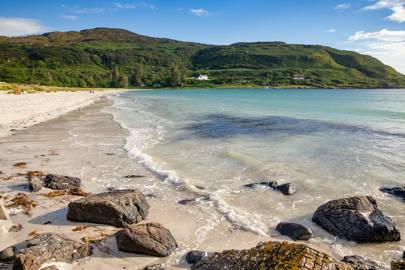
92,149
40,147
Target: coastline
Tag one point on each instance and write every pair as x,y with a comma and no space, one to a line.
88,143
77,144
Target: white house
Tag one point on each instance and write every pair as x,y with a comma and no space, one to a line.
299,77
202,77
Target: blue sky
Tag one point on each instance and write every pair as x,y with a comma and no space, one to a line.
375,27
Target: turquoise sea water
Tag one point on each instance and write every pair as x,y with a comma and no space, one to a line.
329,143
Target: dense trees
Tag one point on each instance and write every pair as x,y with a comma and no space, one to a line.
118,58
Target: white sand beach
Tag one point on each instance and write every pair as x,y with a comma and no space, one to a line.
21,111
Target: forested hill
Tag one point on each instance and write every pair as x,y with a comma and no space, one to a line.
104,57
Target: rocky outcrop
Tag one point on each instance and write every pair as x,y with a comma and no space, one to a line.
395,191
49,247
271,256
356,219
286,189
118,208
149,239
359,263
61,182
294,231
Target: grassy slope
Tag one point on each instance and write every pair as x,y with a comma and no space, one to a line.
87,59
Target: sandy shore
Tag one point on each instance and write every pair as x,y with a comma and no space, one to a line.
22,111
88,143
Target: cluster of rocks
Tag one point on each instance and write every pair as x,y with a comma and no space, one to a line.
356,219
120,208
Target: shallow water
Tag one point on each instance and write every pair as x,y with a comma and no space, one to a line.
329,143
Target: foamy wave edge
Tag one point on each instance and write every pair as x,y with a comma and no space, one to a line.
238,217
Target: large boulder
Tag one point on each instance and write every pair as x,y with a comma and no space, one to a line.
359,263
356,219
271,256
49,247
61,182
119,208
294,230
149,239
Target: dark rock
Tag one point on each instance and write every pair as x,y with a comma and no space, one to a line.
403,255
134,176
356,219
359,263
271,256
35,180
186,201
294,231
155,267
60,182
118,208
286,189
194,256
398,265
51,267
395,191
8,254
48,247
149,239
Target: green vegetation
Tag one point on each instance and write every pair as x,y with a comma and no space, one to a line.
105,57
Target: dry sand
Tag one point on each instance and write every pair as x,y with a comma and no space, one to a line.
21,111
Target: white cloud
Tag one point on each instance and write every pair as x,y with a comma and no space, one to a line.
20,27
396,6
386,45
146,5
69,17
343,6
78,10
331,30
124,6
199,12
383,35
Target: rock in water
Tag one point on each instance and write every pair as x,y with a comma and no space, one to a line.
60,182
287,189
294,231
359,263
395,191
118,208
356,219
150,239
49,247
271,256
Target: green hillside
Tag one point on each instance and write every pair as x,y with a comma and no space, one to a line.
104,57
